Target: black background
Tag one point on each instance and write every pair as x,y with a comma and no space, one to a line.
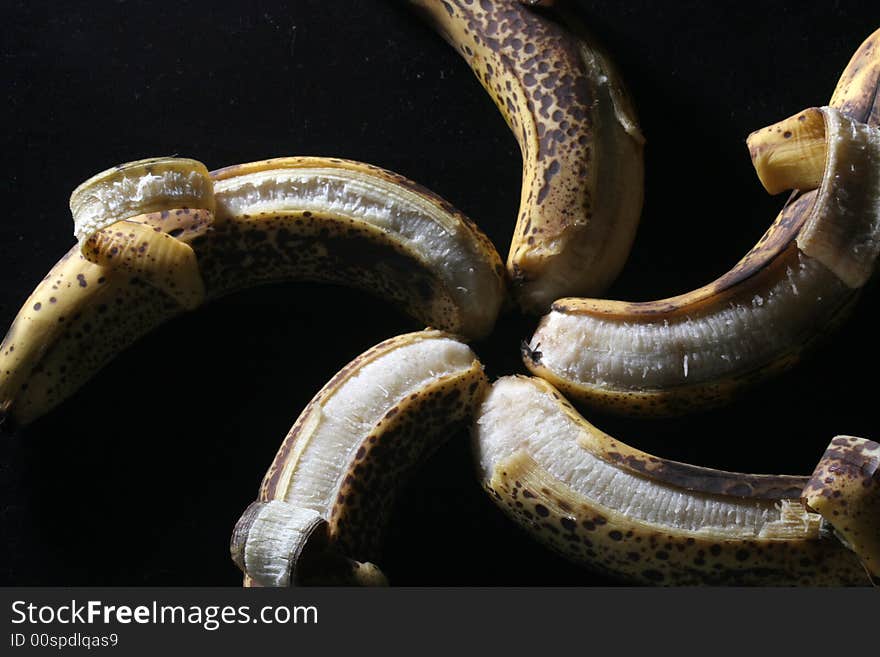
139,478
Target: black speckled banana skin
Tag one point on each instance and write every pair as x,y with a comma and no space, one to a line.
583,173
626,547
96,312
78,317
845,490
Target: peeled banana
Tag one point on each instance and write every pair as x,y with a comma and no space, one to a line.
634,516
142,259
697,349
343,460
582,182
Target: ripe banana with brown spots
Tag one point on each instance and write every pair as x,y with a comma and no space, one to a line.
161,236
634,516
125,274
697,349
335,475
583,172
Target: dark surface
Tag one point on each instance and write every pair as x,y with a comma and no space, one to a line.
96,494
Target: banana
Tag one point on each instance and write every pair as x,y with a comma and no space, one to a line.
615,509
698,349
302,218
582,151
344,457
94,286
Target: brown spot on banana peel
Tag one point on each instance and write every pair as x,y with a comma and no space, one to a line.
651,539
787,247
234,252
845,490
582,150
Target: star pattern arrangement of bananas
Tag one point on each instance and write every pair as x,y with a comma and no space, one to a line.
161,236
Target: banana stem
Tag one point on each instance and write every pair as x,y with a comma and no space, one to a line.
790,154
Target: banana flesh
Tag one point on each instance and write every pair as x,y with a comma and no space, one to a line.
604,504
697,349
315,219
287,545
345,456
582,183
140,187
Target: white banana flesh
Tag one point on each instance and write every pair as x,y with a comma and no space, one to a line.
140,187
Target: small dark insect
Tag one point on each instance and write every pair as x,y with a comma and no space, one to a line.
532,354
